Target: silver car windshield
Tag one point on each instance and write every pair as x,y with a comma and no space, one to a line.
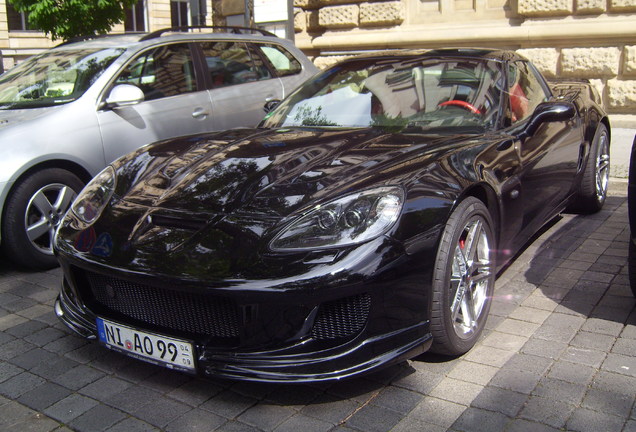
54,77
436,94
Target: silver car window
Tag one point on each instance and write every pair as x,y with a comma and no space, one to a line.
161,72
54,77
230,63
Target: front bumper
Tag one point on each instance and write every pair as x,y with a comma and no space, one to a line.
278,340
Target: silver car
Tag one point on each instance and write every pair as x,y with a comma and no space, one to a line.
67,113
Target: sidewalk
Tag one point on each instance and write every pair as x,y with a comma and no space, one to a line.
559,353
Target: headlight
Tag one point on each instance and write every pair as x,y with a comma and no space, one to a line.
92,200
353,219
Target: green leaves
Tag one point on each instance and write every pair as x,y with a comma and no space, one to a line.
66,19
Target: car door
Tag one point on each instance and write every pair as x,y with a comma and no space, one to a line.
175,101
550,156
240,82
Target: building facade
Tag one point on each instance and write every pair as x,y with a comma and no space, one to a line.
589,39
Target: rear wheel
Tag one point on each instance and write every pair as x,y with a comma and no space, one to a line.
593,187
33,212
463,279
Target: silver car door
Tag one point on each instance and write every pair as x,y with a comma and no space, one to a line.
174,104
241,84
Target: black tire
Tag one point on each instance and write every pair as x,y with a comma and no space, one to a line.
463,283
34,209
593,188
631,261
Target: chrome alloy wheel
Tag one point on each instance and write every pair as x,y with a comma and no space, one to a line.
44,213
602,167
470,277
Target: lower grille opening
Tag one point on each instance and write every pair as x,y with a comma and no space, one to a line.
192,313
342,318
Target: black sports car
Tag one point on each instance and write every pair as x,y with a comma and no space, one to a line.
362,224
631,205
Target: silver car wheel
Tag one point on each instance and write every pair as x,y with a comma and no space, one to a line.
44,212
470,278
602,167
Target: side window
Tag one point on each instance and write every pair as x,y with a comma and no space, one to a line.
525,90
281,59
161,72
230,63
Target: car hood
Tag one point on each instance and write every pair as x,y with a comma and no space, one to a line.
272,172
10,117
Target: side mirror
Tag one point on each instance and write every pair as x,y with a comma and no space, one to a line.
124,95
270,105
547,112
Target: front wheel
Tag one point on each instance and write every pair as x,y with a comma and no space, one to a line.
463,279
33,212
631,261
593,188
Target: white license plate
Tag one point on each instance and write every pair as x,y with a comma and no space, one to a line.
154,348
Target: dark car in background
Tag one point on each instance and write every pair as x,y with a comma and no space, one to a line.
631,204
361,224
68,112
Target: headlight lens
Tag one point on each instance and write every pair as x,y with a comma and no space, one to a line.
353,219
92,200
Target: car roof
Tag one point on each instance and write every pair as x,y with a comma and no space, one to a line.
129,40
481,53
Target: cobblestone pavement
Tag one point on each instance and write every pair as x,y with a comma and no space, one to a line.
559,353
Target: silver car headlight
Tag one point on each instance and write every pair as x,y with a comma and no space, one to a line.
92,200
346,221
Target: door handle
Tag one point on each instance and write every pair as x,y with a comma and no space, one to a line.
200,113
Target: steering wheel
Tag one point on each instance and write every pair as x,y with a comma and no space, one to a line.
462,104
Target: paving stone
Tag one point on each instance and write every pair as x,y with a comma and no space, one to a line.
420,381
474,419
612,382
330,409
397,399
8,370
33,358
195,392
583,356
104,387
559,327
500,400
70,407
521,425
625,346
132,425
295,396
528,363
533,315
373,419
236,426
572,373
560,390
132,398
585,420
488,355
78,376
593,341
195,420
519,381
98,418
437,411
547,411
543,348
603,326
165,380
268,417
20,384
228,404
505,341
15,348
539,301
618,363
43,396
161,411
453,390
608,402
473,372
45,336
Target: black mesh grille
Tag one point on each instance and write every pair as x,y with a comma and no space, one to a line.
342,318
197,314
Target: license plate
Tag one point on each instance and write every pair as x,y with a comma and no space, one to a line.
161,350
